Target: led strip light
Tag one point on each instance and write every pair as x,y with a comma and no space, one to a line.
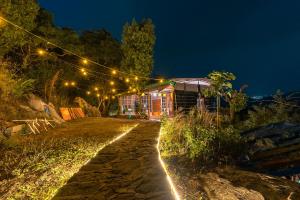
173,188
96,153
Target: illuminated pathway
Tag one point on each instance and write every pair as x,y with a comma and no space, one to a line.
127,169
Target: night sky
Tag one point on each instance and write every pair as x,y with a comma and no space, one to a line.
258,40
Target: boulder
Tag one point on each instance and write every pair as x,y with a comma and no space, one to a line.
89,110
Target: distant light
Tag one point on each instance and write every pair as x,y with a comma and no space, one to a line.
143,94
161,80
98,95
134,90
136,78
112,83
106,97
73,83
164,94
84,73
154,94
159,94
41,52
113,90
113,97
85,61
88,92
66,83
114,72
82,70
96,89
127,80
130,88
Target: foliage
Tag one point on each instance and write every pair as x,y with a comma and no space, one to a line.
23,87
138,41
7,83
278,110
22,13
193,137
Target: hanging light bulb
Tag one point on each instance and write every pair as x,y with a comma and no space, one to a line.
113,97
106,97
127,80
130,88
66,84
96,88
41,52
85,61
114,72
88,92
111,83
134,90
84,73
73,83
113,90
82,70
136,78
98,95
161,80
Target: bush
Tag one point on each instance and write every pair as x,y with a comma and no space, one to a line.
196,137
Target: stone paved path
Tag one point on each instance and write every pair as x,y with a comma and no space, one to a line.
127,169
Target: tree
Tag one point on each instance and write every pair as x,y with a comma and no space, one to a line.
138,42
220,85
237,101
23,13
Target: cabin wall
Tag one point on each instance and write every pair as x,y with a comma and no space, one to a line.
185,100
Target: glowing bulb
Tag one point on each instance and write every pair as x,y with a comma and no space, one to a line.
113,90
41,52
161,80
159,94
130,88
66,83
164,95
136,78
114,72
82,70
85,61
96,89
84,73
127,80
98,95
112,83
134,90
113,97
88,92
73,83
106,97
143,94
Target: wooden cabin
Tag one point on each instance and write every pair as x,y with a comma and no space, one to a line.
179,94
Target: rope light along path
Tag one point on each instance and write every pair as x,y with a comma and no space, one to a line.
85,60
171,183
102,147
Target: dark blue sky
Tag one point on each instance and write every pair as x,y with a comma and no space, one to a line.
258,40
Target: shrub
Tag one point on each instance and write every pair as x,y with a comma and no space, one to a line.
193,137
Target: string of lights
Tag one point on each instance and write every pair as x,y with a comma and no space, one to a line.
84,60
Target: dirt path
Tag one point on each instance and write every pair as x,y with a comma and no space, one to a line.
127,169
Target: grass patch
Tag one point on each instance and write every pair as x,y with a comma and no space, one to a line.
36,166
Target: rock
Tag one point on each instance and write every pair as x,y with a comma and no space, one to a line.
55,116
89,110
